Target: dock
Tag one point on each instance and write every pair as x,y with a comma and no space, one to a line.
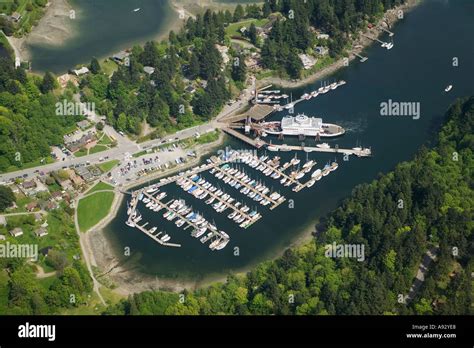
275,203
375,39
144,230
362,58
257,143
227,204
366,152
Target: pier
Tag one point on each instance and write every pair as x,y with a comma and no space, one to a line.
362,58
384,44
275,203
251,220
144,230
358,152
257,143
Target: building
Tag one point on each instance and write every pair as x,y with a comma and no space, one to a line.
41,232
15,17
83,124
190,89
63,80
38,217
16,232
2,237
31,206
3,220
82,71
321,36
321,50
149,70
308,61
121,57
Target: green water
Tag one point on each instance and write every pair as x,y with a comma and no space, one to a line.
102,28
417,69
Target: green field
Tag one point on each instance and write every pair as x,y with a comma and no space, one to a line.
233,29
92,209
107,166
98,148
101,186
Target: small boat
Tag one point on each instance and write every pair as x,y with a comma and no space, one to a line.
130,223
448,88
324,146
137,9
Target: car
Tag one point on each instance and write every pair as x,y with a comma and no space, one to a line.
25,175
121,133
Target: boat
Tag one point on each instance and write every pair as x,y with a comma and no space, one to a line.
448,88
130,223
137,9
316,173
272,148
310,183
222,244
152,229
323,146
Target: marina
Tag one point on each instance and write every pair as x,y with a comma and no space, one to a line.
227,169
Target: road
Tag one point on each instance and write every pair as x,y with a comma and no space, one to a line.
125,145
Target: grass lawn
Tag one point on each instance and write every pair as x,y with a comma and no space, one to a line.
94,208
80,153
101,186
108,67
107,166
233,29
97,148
37,163
105,140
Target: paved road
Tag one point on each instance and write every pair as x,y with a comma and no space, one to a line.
125,145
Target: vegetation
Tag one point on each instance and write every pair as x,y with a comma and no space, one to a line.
7,198
427,203
28,121
31,12
108,166
92,209
101,186
21,292
292,35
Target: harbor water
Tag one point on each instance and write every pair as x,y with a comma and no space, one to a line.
417,70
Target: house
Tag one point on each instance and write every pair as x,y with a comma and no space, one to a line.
2,237
63,80
308,61
3,220
28,185
83,124
321,36
38,217
41,232
76,179
15,17
51,205
223,50
121,57
31,206
321,50
190,89
82,71
149,70
57,196
16,232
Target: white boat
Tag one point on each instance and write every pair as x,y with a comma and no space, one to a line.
272,148
316,173
324,146
448,88
130,223
310,183
137,9
222,244
152,229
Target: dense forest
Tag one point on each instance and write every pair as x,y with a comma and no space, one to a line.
160,98
28,121
426,203
340,19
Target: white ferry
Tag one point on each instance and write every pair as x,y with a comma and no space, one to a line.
302,125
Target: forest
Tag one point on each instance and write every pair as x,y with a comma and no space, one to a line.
423,204
28,121
340,19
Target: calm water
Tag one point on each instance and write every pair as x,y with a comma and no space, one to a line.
417,69
104,27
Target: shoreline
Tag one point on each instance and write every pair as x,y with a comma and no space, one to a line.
359,46
127,280
55,28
